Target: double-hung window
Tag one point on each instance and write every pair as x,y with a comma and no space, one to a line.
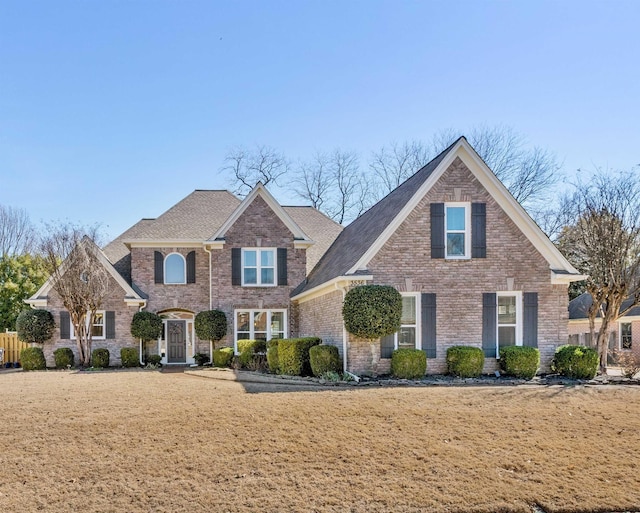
408,336
259,267
509,319
457,230
97,327
625,335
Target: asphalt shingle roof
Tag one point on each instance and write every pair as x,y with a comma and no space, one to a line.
579,307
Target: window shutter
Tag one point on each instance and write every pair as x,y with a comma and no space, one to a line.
191,267
110,325
478,230
65,324
282,266
386,346
236,266
489,324
428,302
530,319
158,275
437,230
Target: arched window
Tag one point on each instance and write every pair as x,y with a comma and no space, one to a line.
174,268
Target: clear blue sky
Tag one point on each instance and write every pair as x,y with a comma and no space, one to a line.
114,110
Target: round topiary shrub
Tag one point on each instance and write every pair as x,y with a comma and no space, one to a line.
576,362
35,326
210,325
519,361
408,363
324,359
130,357
465,361
100,358
63,357
32,358
222,357
146,326
372,311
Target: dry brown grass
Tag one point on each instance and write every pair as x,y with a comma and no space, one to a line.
145,441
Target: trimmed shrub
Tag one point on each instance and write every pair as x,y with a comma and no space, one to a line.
272,356
100,358
222,357
324,359
35,326
146,326
210,325
408,363
201,358
32,358
372,311
519,361
247,349
293,355
154,360
465,361
576,362
63,357
130,357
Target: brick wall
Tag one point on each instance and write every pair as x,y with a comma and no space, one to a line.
322,317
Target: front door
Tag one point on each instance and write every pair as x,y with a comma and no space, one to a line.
177,342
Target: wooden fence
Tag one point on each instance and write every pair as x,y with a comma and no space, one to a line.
12,346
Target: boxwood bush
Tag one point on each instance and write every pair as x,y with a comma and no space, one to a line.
293,355
35,326
64,357
465,361
154,360
372,311
32,358
272,356
576,362
100,358
408,363
324,359
129,357
519,361
222,357
247,349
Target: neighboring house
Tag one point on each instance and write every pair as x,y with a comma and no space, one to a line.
472,266
624,334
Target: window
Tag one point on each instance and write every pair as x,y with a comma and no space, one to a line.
259,267
260,324
174,269
625,335
97,328
509,319
457,231
408,336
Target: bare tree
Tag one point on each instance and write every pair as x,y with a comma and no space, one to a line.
17,234
248,167
394,164
604,243
313,180
79,278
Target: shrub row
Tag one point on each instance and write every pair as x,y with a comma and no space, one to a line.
408,363
576,362
222,357
519,361
292,356
465,361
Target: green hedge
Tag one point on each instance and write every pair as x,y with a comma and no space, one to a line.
372,311
100,358
293,355
408,363
577,362
154,359
64,357
519,361
130,357
247,349
465,361
324,359
32,358
222,357
272,356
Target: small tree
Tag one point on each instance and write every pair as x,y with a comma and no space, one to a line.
372,311
211,325
35,326
146,326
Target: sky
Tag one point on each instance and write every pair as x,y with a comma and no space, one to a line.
114,110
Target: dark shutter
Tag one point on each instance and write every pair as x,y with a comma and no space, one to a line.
428,318
530,319
489,324
478,230
386,346
282,266
236,266
191,267
110,325
437,230
158,260
65,324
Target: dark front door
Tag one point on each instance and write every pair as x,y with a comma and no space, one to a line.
177,341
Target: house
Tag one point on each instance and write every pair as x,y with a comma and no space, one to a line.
472,267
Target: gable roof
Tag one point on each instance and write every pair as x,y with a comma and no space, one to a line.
363,238
579,307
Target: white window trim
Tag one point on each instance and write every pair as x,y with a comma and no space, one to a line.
418,324
467,230
519,313
251,312
620,323
72,331
184,267
258,268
